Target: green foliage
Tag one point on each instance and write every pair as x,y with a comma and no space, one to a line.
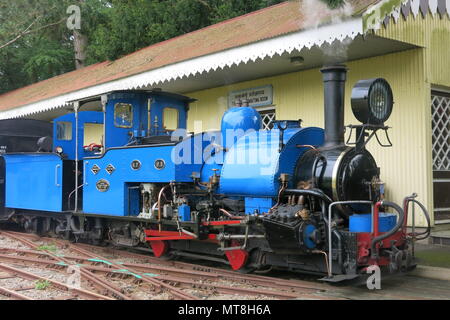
232,8
44,45
42,284
133,24
333,4
36,51
51,247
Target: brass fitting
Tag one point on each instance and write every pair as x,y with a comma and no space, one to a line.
284,178
304,214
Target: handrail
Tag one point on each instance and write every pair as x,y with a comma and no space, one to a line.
426,233
57,175
400,222
84,173
415,236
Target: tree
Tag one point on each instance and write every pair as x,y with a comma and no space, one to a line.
35,43
133,24
333,4
23,17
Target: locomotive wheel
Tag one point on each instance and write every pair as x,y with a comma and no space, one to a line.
264,270
246,270
75,225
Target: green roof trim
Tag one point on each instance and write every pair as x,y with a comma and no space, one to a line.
378,12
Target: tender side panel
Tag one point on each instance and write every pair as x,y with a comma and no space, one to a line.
34,182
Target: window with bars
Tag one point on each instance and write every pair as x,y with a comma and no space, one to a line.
268,116
440,104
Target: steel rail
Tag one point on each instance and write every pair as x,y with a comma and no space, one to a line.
80,259
13,294
109,271
235,290
98,282
184,268
186,281
252,278
156,283
222,288
61,286
334,293
185,273
173,290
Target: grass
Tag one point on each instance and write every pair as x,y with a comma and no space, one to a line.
434,256
42,284
51,247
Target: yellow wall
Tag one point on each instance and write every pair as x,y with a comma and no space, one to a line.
93,133
433,33
170,118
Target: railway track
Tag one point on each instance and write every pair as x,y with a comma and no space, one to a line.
74,293
112,273
100,269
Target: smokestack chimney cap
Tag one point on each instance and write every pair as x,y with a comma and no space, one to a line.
334,73
334,78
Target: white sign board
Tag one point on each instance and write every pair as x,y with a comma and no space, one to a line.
255,97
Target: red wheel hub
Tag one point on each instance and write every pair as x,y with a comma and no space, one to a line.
159,247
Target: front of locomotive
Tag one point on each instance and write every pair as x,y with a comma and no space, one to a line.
346,172
336,209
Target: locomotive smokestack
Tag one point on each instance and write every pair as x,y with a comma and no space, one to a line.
334,78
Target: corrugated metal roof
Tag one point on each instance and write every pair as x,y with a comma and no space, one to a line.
264,24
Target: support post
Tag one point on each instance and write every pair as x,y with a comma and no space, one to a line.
76,106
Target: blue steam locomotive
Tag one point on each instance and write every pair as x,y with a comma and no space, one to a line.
292,197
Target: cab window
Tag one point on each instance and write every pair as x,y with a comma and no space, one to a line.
123,115
93,133
64,131
170,118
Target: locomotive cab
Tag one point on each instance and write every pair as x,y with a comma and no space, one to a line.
143,117
137,156
83,135
45,180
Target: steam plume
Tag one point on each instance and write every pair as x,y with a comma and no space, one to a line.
316,12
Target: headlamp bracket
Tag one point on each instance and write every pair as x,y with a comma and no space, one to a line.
365,133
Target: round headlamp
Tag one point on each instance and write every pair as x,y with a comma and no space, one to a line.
59,150
372,101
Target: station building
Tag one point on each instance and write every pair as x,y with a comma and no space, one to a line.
272,58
